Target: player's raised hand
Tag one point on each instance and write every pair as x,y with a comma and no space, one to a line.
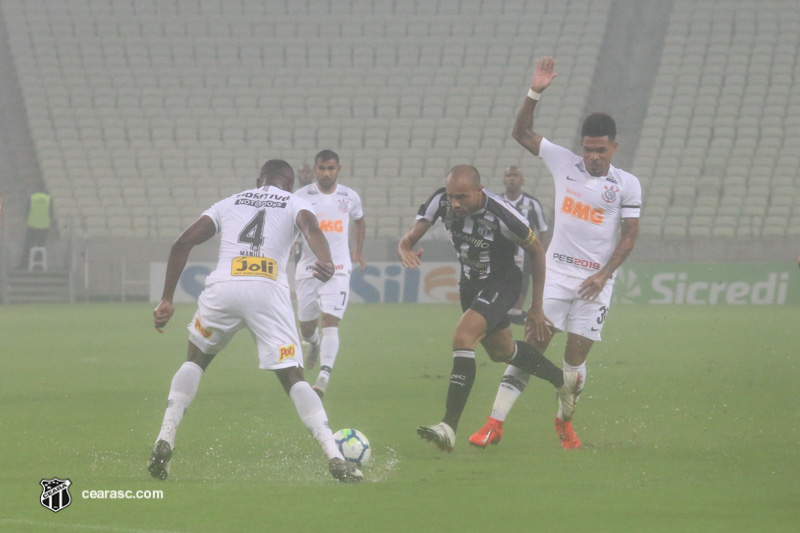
162,314
323,271
543,74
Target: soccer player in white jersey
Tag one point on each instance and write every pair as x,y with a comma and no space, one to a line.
248,289
530,208
596,222
335,206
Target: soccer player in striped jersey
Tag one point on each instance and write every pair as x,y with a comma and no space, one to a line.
530,208
485,231
596,223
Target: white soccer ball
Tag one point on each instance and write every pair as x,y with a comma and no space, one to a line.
353,445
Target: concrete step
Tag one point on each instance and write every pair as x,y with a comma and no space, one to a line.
36,287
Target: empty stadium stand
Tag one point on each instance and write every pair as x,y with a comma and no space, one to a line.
136,107
144,112
716,156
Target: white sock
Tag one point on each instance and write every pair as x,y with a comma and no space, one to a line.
329,347
580,370
313,415
322,379
313,339
181,393
514,382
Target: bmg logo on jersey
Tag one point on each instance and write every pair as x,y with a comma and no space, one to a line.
286,352
583,211
331,226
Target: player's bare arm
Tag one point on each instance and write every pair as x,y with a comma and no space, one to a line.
405,249
594,284
360,226
536,323
523,131
198,232
309,226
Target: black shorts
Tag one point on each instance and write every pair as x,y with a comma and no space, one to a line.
492,297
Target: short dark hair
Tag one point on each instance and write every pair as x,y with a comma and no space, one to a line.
599,125
279,173
326,155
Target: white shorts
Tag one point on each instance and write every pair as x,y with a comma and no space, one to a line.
315,297
264,308
568,312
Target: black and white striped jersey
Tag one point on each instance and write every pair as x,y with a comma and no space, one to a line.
529,207
486,240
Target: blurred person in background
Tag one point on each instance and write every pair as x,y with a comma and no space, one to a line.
530,208
305,175
39,218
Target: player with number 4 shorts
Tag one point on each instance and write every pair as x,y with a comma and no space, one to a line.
249,289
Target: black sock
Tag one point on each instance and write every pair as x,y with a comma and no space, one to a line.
461,380
535,363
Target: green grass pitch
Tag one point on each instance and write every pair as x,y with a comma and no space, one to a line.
689,422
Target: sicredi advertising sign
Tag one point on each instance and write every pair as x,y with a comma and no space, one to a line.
708,284
657,284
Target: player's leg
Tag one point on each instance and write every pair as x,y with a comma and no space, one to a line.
209,332
575,355
333,298
523,356
485,304
182,391
512,385
585,324
515,378
517,314
272,327
312,414
328,350
308,311
577,350
470,330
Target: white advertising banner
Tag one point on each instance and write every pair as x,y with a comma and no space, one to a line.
382,281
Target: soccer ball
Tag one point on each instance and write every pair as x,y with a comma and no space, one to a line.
353,445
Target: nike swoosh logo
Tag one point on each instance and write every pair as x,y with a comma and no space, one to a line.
571,179
595,329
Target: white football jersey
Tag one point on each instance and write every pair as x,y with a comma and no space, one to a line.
588,212
334,212
258,228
